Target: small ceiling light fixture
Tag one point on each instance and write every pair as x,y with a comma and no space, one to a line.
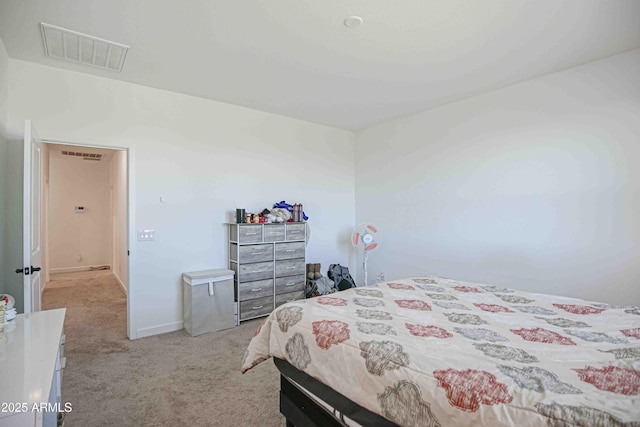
353,21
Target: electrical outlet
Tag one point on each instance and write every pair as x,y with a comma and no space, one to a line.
146,235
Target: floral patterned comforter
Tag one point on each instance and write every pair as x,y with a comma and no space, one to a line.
429,351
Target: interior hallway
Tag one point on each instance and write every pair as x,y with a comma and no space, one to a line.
80,279
95,302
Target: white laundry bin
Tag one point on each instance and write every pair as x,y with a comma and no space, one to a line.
208,303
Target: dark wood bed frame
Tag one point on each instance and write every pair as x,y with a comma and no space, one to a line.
300,410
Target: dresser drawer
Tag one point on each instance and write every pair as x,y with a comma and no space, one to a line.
256,307
251,253
288,297
250,234
257,289
289,250
296,231
290,284
290,267
273,232
257,271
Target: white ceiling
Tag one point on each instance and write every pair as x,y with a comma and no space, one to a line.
297,58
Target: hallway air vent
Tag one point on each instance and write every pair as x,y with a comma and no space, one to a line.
85,156
83,49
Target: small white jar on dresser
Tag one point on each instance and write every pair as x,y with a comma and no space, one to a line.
269,265
31,364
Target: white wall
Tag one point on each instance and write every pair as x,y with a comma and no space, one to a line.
118,187
13,219
205,158
535,186
77,182
4,98
11,153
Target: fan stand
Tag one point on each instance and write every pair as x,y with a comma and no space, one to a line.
364,266
367,239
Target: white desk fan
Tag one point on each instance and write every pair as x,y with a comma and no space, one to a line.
365,238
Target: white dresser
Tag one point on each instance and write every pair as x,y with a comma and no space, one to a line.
31,362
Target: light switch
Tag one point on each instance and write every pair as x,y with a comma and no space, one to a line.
146,235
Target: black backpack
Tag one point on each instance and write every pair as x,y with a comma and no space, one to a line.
341,277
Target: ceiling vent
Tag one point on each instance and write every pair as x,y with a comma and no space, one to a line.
85,156
83,49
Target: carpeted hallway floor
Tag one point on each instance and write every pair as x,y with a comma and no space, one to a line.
170,379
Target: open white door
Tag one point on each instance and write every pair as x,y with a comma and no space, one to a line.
32,246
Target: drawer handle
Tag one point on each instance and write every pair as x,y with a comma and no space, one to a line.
294,231
252,234
258,307
291,268
291,250
290,284
257,271
256,290
256,253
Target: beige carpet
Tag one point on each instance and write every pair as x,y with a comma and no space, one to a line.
170,379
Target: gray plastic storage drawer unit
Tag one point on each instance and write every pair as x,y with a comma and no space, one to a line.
208,301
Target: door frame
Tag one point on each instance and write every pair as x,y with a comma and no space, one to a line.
131,329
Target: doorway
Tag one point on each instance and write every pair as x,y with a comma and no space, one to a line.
85,222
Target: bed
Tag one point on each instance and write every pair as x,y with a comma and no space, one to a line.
429,351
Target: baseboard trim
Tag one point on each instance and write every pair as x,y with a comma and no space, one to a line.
124,288
74,269
160,329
